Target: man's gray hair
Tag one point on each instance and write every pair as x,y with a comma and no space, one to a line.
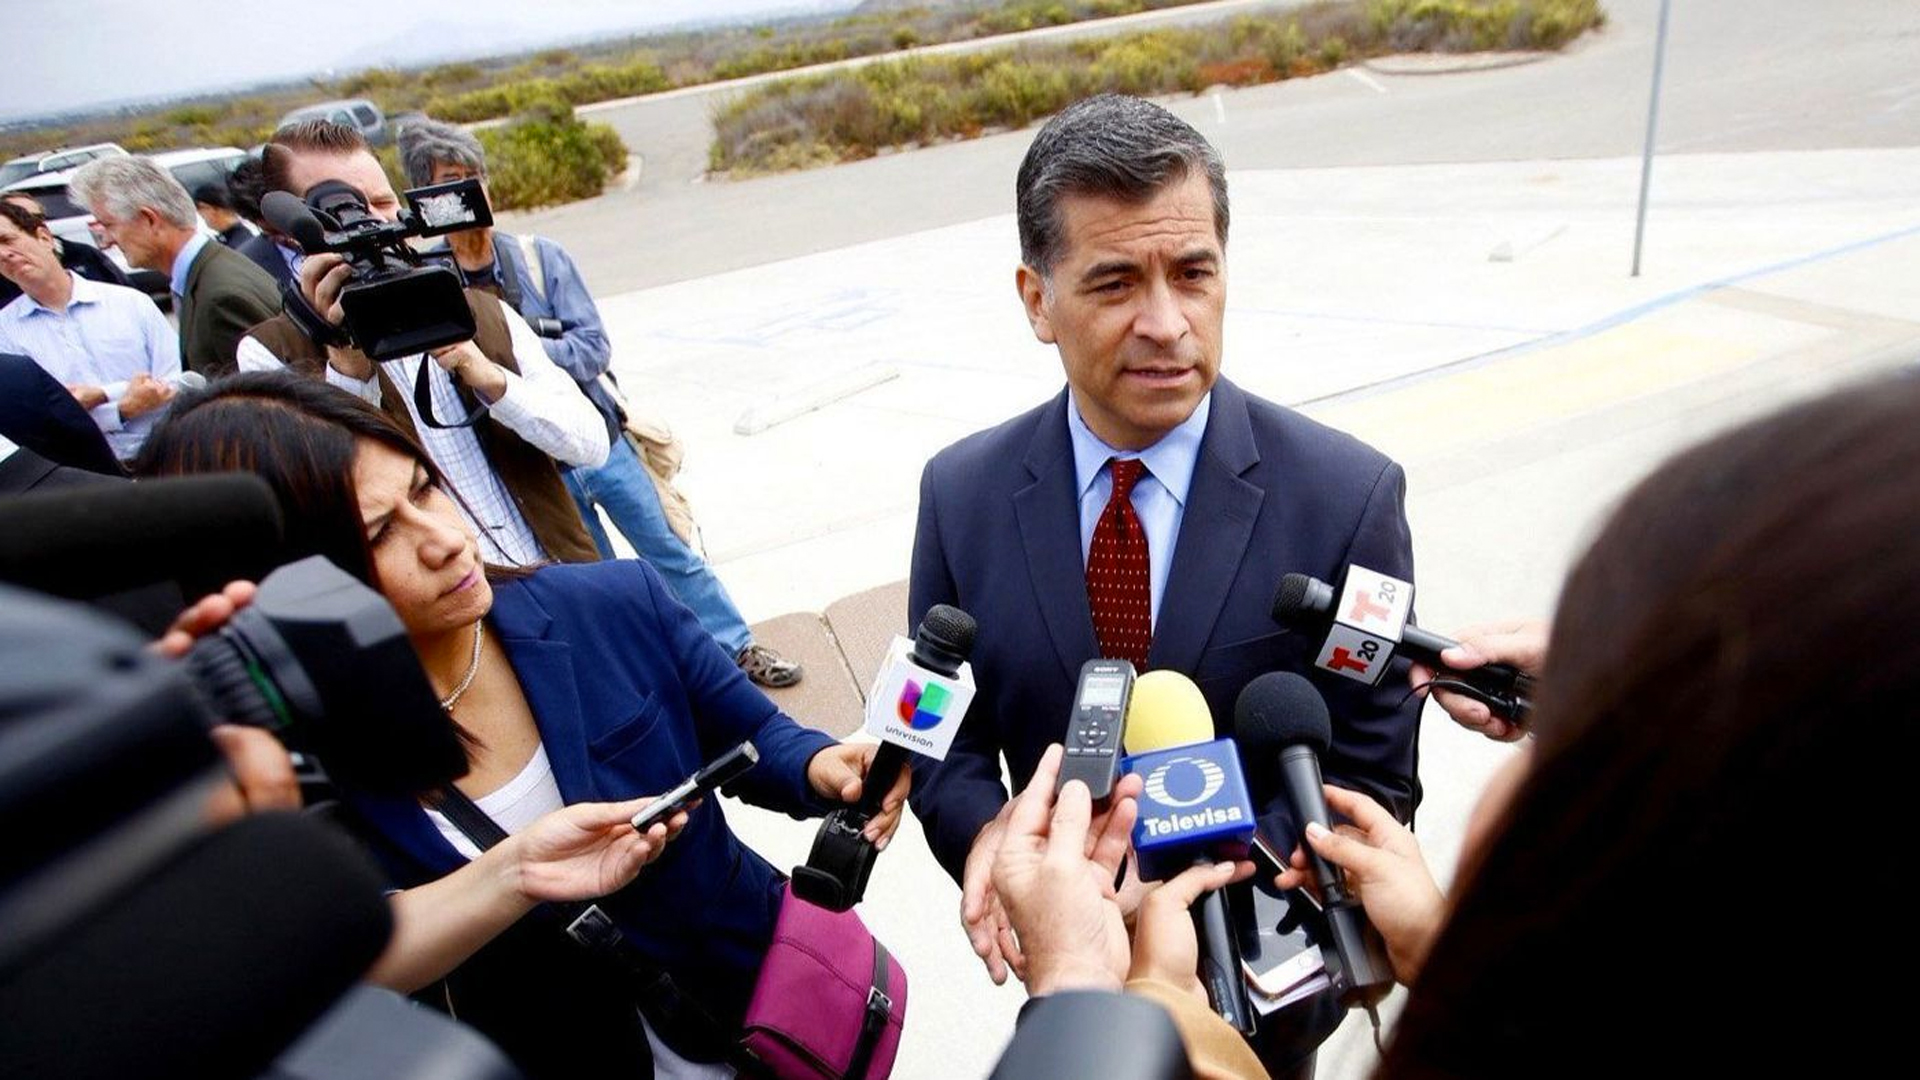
1114,147
125,184
426,143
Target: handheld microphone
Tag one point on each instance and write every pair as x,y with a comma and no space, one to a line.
1366,621
91,541
1281,714
1193,808
915,706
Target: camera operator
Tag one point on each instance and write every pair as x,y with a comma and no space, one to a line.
503,466
538,279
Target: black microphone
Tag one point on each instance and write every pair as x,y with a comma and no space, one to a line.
941,644
1366,625
1094,1033
289,214
100,539
211,966
1281,714
841,861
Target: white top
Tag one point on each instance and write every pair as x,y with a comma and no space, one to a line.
514,805
542,404
519,803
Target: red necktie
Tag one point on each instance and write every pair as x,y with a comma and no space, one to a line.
1118,586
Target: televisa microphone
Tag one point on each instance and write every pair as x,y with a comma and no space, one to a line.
915,706
1366,621
1280,714
1193,809
90,541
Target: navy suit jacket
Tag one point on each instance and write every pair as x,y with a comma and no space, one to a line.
40,414
631,696
1272,493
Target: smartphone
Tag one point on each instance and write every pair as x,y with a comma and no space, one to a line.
720,770
1279,942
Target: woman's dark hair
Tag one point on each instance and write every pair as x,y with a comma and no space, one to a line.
1685,878
297,433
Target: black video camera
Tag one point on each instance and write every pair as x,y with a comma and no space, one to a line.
399,301
322,661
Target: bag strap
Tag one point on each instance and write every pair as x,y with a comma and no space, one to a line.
874,1024
589,927
535,271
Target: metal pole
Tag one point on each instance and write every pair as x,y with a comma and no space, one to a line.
1653,119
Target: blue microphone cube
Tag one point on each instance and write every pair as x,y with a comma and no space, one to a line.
1195,804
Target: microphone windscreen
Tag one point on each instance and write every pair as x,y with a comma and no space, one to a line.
90,541
1280,709
951,628
1301,598
1166,710
285,212
209,968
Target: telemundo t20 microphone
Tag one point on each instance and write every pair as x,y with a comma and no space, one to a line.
1366,622
914,707
1194,808
1281,714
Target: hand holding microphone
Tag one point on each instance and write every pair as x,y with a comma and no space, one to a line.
1366,622
1384,870
1194,810
1516,643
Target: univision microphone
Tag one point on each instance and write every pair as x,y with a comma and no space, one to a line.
1281,715
1366,621
1193,808
914,707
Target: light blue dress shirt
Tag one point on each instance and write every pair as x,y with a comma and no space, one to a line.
107,335
1159,496
184,261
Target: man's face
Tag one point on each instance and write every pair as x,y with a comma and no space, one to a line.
27,258
139,236
358,169
1135,307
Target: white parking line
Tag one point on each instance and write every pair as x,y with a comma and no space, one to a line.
1366,80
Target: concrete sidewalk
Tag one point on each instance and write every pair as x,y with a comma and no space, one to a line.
1474,321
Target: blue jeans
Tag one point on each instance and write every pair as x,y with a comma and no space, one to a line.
623,488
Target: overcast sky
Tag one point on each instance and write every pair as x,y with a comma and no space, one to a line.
63,54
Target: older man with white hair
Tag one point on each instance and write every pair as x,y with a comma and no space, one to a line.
218,294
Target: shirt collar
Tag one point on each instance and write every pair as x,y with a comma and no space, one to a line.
85,291
184,261
1171,460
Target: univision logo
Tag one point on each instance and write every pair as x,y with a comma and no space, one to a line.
923,707
1184,774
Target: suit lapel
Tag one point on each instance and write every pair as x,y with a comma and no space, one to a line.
1214,533
547,678
187,307
545,670
1048,514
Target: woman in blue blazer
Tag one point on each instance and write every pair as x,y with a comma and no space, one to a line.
569,684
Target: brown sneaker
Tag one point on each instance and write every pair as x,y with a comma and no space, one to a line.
768,668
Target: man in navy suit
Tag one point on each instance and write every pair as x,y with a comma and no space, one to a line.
1123,218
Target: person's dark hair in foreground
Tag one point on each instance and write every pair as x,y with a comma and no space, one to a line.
1697,871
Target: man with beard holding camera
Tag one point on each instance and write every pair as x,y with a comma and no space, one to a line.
502,465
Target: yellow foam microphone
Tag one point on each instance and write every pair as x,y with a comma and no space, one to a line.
1166,710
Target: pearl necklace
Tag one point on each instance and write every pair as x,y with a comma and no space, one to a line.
473,668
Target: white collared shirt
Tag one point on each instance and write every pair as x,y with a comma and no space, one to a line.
542,404
106,336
